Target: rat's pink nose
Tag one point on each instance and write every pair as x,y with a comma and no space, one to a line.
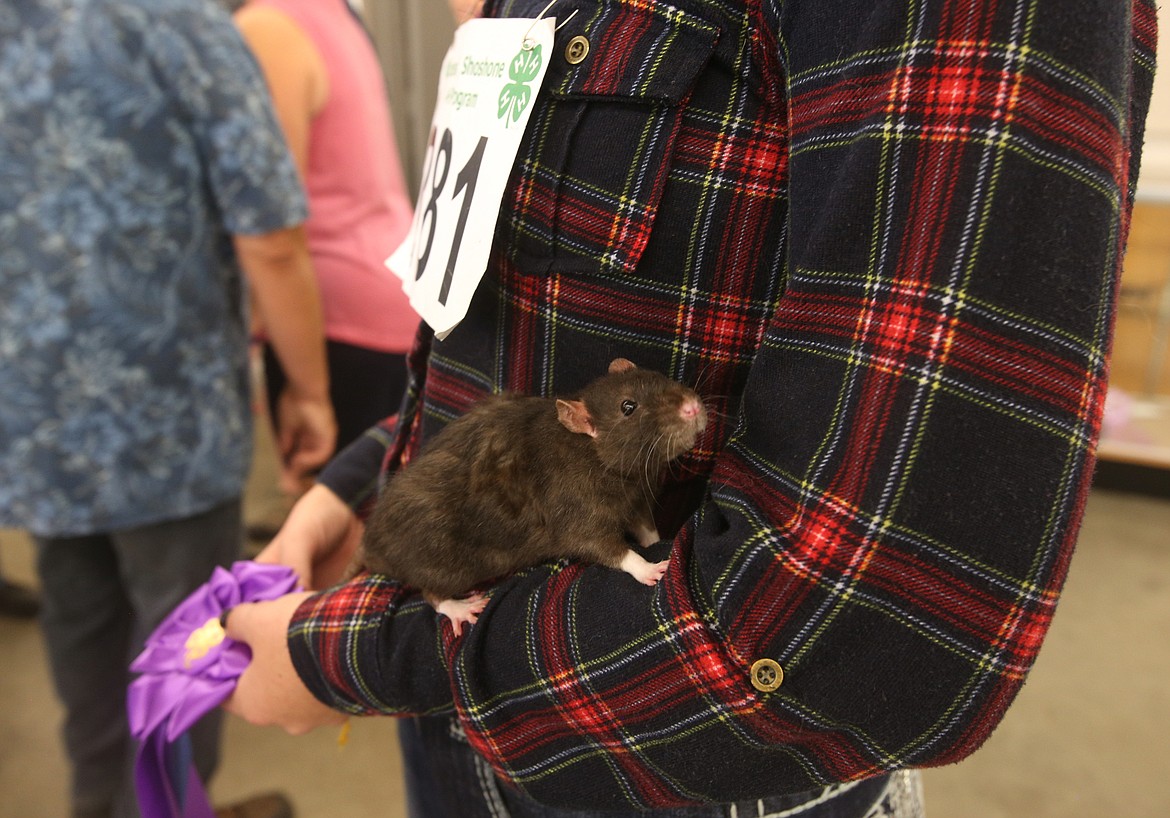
690,409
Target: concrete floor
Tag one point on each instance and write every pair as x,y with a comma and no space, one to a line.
1087,737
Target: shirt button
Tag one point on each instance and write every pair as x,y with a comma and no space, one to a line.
577,50
767,675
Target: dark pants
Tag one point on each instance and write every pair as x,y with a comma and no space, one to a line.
103,596
445,778
365,386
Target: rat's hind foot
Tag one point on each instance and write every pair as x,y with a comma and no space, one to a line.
647,573
461,610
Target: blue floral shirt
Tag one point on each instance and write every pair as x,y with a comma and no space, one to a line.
136,137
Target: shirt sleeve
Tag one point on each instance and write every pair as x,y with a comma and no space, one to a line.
204,62
885,536
353,474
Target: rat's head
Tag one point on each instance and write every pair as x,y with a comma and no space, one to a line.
638,419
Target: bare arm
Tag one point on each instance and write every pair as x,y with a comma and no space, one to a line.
290,314
284,288
317,540
293,69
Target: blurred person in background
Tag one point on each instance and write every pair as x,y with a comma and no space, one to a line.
143,176
329,94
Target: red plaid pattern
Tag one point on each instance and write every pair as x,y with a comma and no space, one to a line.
882,240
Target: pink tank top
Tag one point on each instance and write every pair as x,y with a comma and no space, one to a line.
359,209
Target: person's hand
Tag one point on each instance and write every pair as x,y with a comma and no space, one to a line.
269,691
308,434
317,540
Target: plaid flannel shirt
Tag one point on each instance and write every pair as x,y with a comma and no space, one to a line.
882,240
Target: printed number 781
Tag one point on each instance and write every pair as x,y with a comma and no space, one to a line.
465,179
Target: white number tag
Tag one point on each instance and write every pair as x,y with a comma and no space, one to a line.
487,84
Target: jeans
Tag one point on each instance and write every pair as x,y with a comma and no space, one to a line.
103,595
445,778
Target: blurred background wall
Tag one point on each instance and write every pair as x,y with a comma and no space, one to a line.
412,36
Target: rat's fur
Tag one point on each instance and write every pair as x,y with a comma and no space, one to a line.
520,480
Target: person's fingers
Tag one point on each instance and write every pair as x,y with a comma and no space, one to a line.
269,691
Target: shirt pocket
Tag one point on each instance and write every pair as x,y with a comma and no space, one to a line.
594,163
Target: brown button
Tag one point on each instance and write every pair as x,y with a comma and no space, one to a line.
577,50
767,675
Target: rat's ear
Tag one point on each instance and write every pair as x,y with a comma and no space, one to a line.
620,365
575,417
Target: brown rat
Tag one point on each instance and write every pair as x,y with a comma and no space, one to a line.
519,480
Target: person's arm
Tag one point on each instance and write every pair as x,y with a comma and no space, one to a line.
893,518
247,167
276,696
324,527
284,289
293,70
317,540
296,78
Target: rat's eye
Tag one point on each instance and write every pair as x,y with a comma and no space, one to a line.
628,407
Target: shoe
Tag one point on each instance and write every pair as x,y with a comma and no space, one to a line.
268,805
18,601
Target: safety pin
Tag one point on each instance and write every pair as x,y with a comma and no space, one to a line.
528,43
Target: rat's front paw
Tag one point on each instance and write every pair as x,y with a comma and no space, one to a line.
647,573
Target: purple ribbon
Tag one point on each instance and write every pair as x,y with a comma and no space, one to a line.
188,668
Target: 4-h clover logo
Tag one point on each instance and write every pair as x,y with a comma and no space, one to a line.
516,95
